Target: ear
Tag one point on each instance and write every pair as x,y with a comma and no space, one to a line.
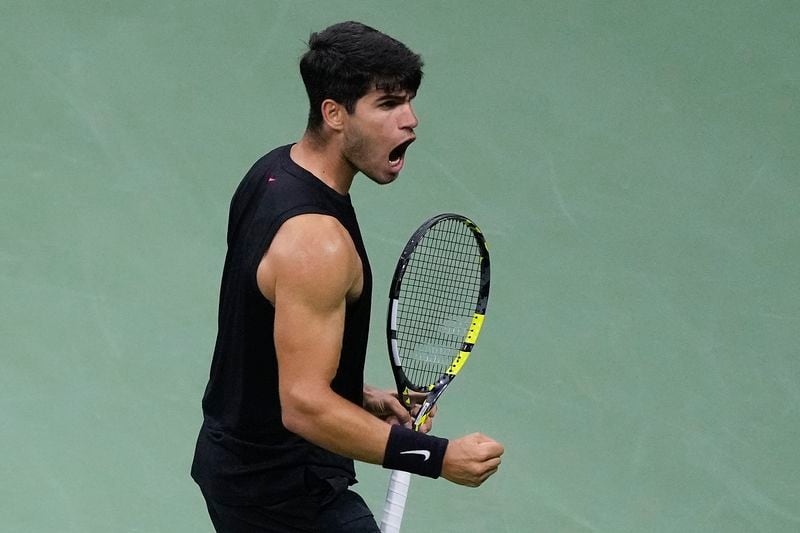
333,114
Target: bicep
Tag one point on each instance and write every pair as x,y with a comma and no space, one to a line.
308,336
312,266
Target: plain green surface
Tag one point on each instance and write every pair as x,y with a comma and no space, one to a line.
634,165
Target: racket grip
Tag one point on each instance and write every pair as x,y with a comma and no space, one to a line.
395,504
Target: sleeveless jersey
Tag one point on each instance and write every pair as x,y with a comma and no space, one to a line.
244,453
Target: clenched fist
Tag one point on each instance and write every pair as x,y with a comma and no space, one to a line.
470,460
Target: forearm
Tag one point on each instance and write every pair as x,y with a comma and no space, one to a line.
321,416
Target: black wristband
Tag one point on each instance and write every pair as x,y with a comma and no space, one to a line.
414,452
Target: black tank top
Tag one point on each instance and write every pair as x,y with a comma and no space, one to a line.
244,453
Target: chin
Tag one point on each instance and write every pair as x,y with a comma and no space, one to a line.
382,178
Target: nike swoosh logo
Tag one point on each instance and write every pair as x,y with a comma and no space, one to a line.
424,453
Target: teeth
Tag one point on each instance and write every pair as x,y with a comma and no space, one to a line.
396,155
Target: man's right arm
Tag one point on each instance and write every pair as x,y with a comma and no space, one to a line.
309,272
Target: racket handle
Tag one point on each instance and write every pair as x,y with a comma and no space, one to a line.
395,501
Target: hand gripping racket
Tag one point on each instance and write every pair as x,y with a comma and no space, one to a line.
437,302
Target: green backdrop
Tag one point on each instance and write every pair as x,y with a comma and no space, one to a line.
634,165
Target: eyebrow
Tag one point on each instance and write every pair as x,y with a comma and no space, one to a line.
395,97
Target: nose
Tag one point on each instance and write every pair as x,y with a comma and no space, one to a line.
409,118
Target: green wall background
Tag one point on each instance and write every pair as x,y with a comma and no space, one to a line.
634,165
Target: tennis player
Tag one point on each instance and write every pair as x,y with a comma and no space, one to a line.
286,410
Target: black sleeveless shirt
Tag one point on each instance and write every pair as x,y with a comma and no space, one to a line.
244,453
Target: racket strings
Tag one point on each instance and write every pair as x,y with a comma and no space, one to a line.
437,300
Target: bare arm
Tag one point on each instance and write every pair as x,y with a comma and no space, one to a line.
310,273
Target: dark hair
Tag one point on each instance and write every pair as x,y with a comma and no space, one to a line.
347,60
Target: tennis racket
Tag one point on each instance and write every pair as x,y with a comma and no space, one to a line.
437,302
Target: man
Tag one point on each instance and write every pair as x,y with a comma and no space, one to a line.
286,410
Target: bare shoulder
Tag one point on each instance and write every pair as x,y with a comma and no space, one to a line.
311,253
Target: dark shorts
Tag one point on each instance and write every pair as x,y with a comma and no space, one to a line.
346,513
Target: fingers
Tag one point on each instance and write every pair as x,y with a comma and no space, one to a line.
492,448
488,446
489,473
431,413
386,405
392,420
417,397
398,411
428,424
472,459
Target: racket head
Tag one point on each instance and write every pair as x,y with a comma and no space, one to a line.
437,302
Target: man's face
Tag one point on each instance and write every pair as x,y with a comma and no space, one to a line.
378,133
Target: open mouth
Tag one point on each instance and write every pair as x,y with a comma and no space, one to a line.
396,156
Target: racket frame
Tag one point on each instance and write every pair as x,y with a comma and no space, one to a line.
400,481
434,390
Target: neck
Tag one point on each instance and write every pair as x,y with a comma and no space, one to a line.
323,158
